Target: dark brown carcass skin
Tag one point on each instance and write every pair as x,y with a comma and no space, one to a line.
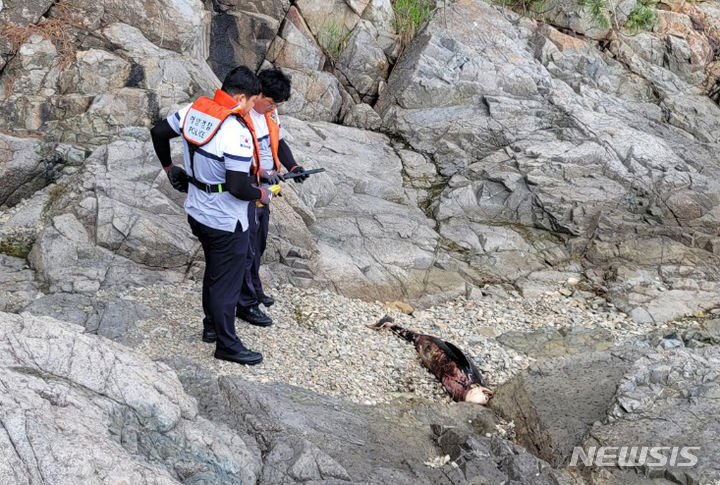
458,374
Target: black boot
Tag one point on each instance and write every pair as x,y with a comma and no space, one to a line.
245,356
266,300
253,315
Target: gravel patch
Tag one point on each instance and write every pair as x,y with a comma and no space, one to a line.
319,340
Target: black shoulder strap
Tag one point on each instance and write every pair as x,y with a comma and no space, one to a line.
192,148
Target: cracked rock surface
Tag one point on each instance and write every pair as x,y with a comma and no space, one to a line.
78,407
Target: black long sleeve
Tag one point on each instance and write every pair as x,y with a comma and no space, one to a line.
161,135
239,184
285,155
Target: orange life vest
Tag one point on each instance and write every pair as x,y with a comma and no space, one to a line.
273,125
205,116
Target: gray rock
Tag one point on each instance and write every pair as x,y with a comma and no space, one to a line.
94,72
17,13
295,47
241,33
180,26
550,342
29,77
420,172
171,78
323,16
68,307
528,150
67,261
305,436
91,97
667,398
564,153
314,96
381,15
112,319
148,229
79,408
675,45
555,404
707,333
362,65
569,15
105,117
18,283
385,254
26,165
362,116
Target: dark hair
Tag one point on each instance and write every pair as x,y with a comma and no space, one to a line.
275,84
241,80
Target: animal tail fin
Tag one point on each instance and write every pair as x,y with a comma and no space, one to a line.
386,322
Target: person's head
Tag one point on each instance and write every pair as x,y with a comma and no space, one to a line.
244,86
275,90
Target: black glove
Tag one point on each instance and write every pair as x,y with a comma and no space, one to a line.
178,178
299,169
267,195
270,176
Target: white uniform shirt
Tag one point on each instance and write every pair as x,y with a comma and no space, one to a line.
263,137
230,149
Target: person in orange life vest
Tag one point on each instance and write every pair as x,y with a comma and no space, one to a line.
264,122
218,157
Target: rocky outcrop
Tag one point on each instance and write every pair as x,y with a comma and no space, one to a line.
77,407
668,398
308,437
241,32
392,247
25,167
547,342
80,408
584,384
112,319
95,92
550,163
316,95
295,47
521,157
18,282
358,37
630,398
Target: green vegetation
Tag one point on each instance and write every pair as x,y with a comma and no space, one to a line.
642,17
409,16
19,248
54,194
597,10
333,40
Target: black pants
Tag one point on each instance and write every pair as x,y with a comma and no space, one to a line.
225,255
252,289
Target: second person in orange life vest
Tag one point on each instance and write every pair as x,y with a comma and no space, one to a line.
264,122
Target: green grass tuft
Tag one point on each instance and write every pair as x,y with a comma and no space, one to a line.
409,16
17,248
597,10
333,39
642,17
